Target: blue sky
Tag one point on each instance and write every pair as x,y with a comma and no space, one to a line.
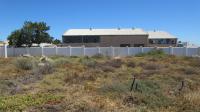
179,17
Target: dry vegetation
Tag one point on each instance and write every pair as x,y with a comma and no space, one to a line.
152,82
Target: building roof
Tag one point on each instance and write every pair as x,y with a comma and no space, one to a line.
160,35
80,32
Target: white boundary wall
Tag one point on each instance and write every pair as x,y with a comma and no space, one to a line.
90,51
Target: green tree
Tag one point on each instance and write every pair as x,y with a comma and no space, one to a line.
56,41
31,32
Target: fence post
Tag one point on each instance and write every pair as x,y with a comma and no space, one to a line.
198,51
70,52
98,50
42,51
5,50
171,52
56,50
128,52
186,51
83,48
112,51
142,50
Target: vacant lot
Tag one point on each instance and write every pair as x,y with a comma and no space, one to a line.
152,82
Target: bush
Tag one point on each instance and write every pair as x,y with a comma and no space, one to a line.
25,63
131,64
76,78
152,66
190,70
89,62
98,56
47,68
154,53
61,62
8,87
115,87
150,94
18,103
116,63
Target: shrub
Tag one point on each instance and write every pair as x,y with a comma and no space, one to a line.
190,70
8,87
115,87
107,68
154,53
131,64
19,103
150,94
61,62
116,63
76,78
98,56
46,68
152,66
89,62
24,63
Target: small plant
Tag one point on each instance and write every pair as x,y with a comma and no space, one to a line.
98,56
25,63
154,53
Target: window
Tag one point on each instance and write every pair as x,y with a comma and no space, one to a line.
91,39
72,39
138,45
81,39
125,45
162,41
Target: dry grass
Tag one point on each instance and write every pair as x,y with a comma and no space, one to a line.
101,84
193,97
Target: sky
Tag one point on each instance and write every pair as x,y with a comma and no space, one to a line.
178,17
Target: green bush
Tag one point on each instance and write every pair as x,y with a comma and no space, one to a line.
25,63
154,53
150,93
98,56
19,103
